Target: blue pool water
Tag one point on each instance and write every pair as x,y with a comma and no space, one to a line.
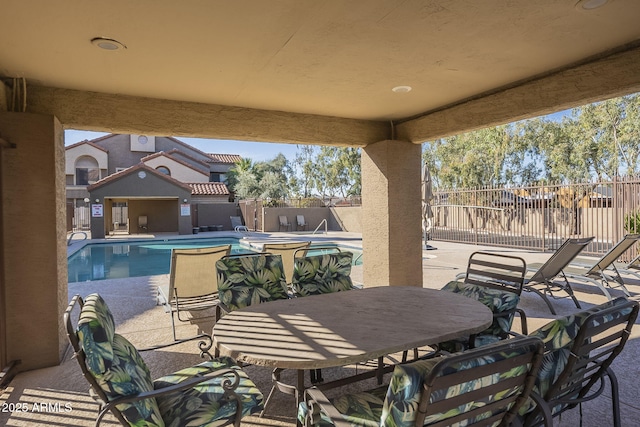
140,258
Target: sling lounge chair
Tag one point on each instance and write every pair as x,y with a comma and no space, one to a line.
604,273
192,282
236,224
543,280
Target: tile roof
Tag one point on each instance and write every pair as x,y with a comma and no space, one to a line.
208,189
224,158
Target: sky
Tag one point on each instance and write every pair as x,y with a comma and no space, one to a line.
256,151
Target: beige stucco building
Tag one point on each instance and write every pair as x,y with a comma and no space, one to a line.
114,182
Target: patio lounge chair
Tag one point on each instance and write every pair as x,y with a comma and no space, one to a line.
218,391
287,250
302,224
192,282
236,224
579,350
604,273
496,281
284,223
543,281
486,386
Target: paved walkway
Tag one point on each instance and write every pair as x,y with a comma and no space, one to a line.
145,324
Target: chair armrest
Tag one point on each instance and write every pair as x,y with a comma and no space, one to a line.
523,321
229,385
317,402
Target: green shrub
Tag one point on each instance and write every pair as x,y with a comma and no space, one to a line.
632,222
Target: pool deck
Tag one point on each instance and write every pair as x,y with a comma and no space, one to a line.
142,321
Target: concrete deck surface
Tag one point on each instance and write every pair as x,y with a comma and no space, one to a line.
57,396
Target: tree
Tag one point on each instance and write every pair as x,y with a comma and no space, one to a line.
268,179
472,159
329,171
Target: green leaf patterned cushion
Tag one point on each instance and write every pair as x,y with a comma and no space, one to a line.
249,280
115,363
360,409
558,337
321,274
499,301
204,404
396,405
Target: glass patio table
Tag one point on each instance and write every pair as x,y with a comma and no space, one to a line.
343,328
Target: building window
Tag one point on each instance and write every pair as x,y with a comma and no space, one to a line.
87,171
217,177
86,176
163,169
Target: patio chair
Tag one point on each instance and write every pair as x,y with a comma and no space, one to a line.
487,386
321,274
542,280
604,273
302,224
496,281
192,283
579,350
287,250
216,392
237,225
247,279
284,223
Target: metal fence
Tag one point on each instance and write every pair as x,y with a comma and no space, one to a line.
539,217
314,202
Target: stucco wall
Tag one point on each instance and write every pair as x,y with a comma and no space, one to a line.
33,239
178,171
214,214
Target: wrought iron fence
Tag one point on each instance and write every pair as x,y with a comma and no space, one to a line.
539,217
314,202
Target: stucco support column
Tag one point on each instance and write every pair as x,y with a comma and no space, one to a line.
34,267
391,214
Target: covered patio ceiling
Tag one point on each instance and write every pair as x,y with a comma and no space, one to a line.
304,71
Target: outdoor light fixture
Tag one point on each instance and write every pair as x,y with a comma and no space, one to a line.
184,200
401,89
86,200
590,4
106,43
97,200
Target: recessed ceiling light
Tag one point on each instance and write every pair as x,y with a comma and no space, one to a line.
107,43
591,4
401,89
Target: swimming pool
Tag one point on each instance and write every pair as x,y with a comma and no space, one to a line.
101,261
